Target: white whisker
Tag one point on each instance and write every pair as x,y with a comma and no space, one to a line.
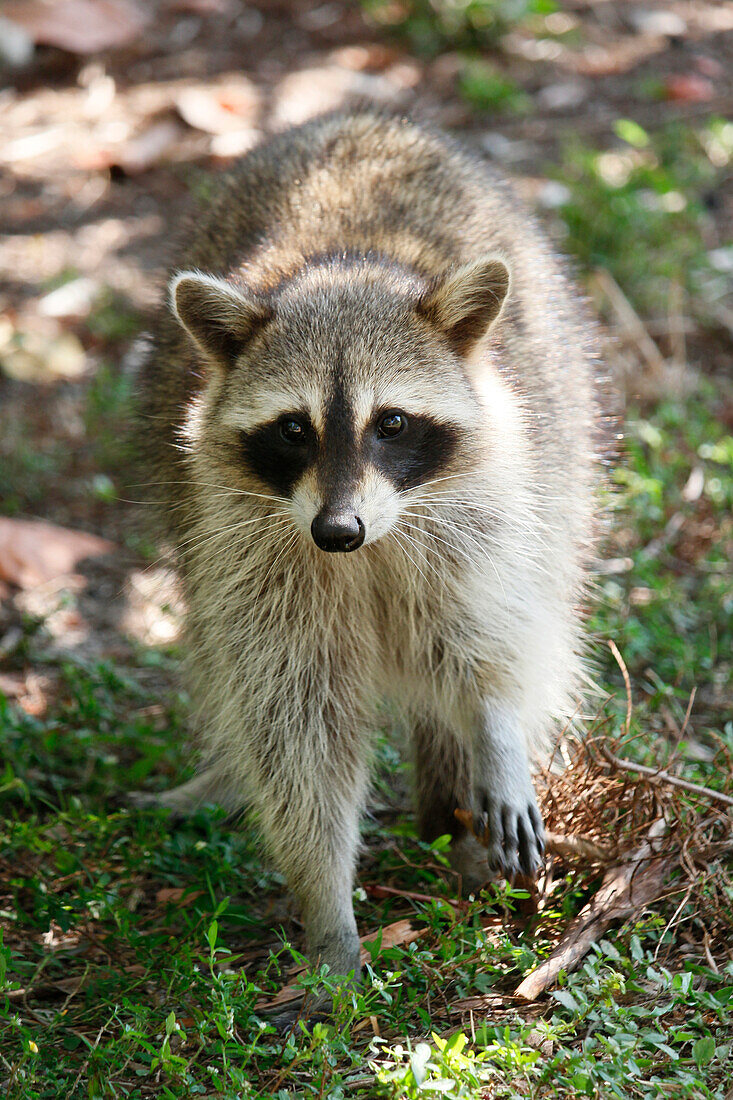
419,549
407,552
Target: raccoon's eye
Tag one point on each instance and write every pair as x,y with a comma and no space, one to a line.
391,424
292,430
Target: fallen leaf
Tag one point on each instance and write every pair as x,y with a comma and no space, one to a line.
370,56
688,88
665,24
41,357
303,94
33,552
170,895
79,26
73,299
148,148
401,931
200,7
219,108
28,688
484,1004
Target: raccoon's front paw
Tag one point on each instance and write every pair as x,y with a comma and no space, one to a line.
513,828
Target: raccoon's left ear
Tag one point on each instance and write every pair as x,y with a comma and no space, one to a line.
467,301
219,316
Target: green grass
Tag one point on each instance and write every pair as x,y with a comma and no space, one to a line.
671,613
486,89
432,26
639,209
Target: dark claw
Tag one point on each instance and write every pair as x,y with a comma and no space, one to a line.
528,854
539,829
509,828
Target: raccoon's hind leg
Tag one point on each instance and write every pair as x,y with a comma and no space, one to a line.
443,783
209,786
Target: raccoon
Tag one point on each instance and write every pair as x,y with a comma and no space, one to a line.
371,411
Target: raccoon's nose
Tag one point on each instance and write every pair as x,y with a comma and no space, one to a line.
337,531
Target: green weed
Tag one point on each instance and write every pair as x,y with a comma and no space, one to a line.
431,26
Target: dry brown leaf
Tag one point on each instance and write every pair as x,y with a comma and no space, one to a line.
219,108
393,935
41,356
688,88
181,895
140,153
200,7
79,26
33,552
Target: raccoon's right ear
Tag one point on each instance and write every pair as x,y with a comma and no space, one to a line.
219,317
467,301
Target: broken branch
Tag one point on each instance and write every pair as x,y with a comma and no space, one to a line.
626,888
665,777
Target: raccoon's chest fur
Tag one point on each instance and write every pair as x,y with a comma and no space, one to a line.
290,624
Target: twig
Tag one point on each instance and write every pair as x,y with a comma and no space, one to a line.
676,328
665,777
672,528
688,712
576,847
630,321
557,844
708,953
713,851
92,1048
379,891
673,919
627,682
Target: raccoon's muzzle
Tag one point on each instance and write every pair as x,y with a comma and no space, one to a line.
337,532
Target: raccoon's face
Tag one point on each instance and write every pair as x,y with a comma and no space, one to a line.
347,391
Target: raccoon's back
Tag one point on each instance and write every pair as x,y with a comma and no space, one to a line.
369,183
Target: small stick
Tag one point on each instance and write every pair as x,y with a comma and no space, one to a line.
627,682
379,891
676,329
576,847
688,712
630,321
665,777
